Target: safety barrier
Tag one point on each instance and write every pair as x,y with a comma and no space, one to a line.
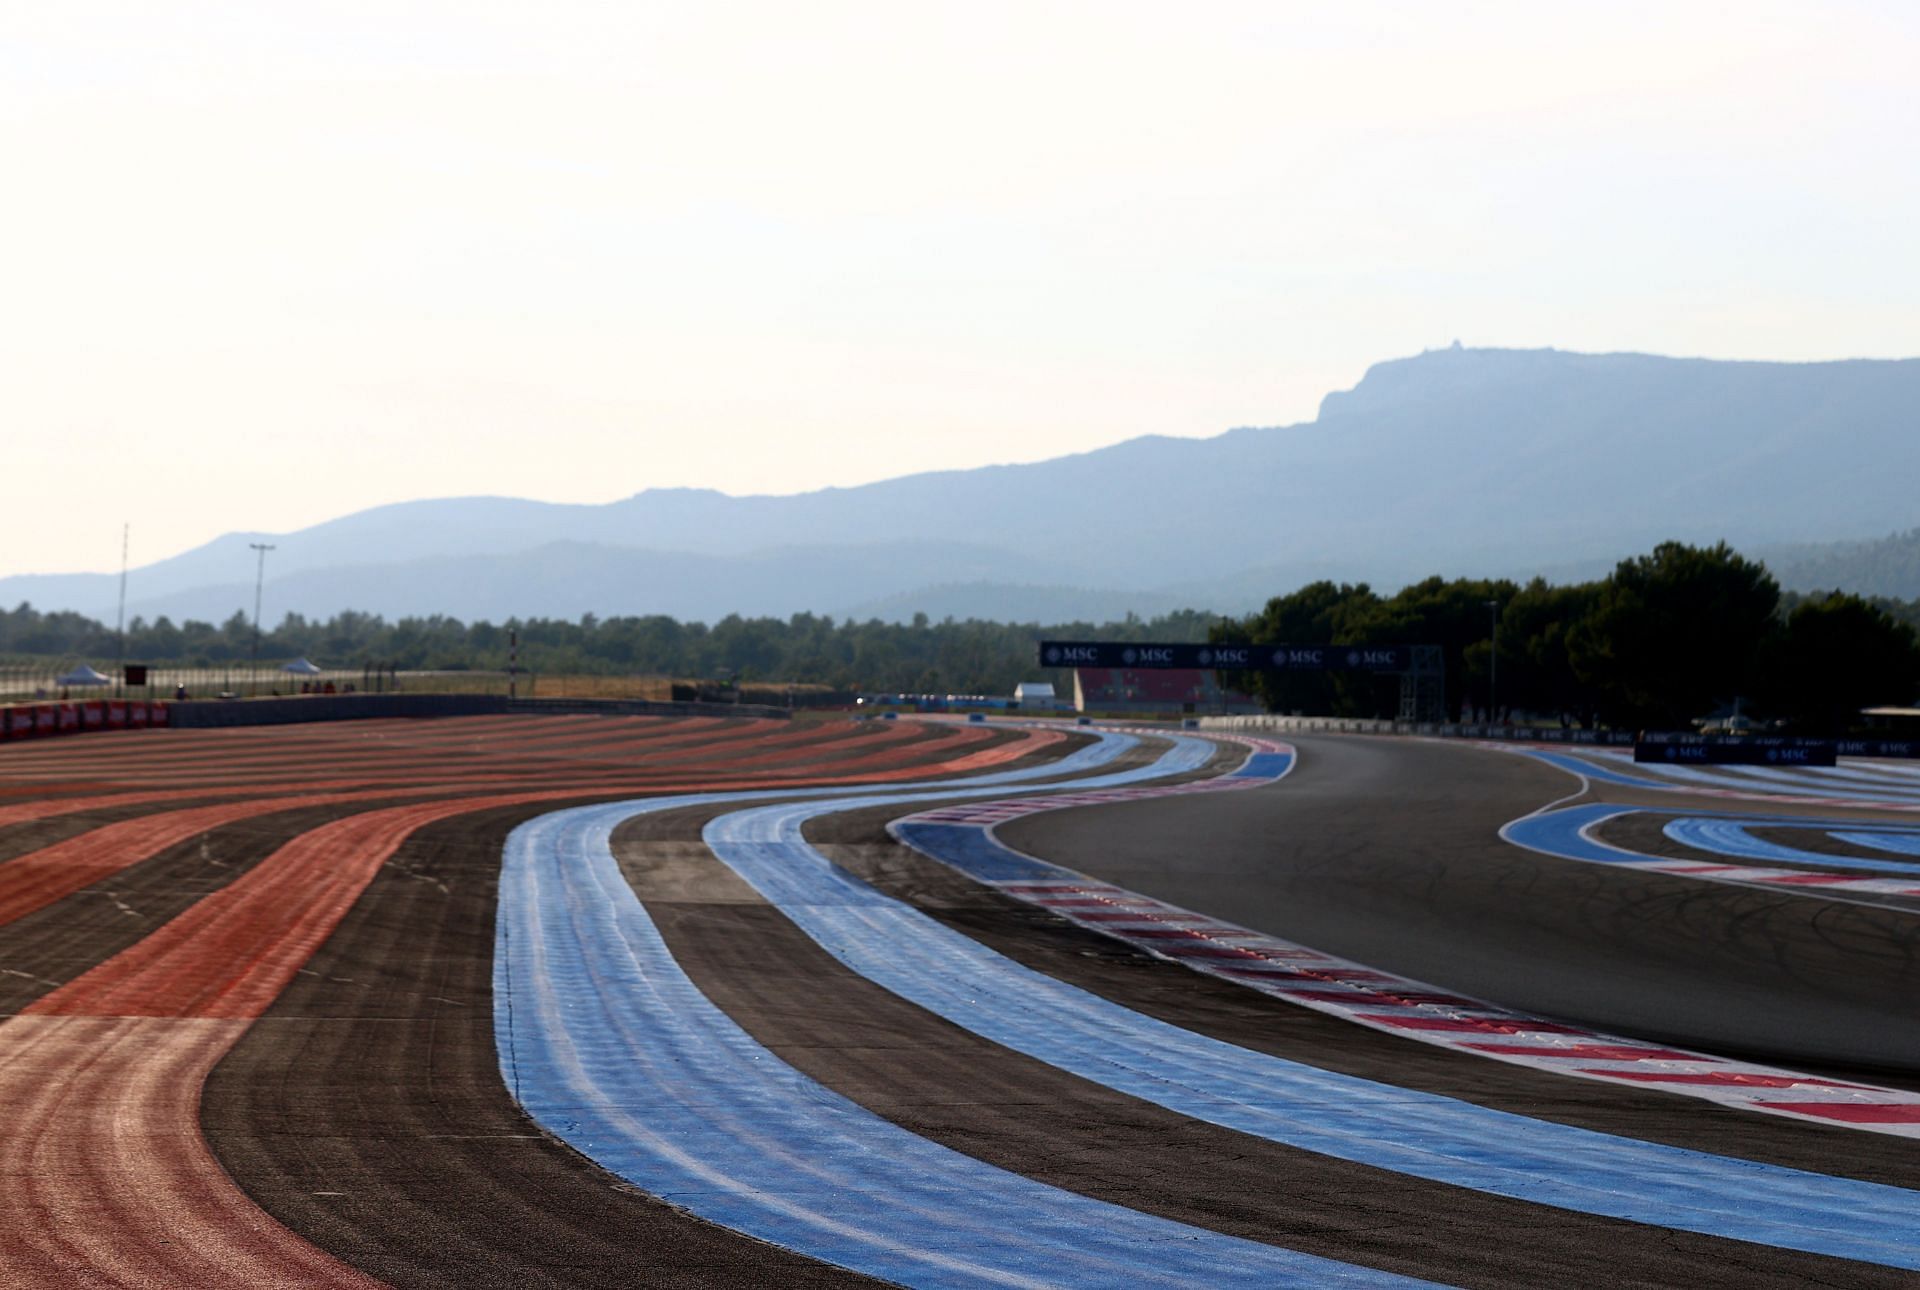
53,719
1431,729
50,720
352,707
1909,748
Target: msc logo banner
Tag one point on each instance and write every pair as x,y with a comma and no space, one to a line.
1226,657
1755,753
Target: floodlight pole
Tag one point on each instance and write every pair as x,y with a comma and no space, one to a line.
259,580
120,617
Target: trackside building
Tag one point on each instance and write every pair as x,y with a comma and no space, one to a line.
1035,695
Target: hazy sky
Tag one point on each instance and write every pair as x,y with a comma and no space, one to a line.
264,264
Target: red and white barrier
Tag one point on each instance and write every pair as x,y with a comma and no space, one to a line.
38,720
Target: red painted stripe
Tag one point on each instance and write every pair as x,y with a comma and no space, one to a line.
109,1181
1483,1025
1202,950
1376,997
1593,1052
1852,1112
1731,1078
1332,996
39,878
232,952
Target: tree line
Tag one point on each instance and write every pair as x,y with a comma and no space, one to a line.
1666,637
921,656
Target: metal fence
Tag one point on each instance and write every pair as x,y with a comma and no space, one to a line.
37,680
1433,729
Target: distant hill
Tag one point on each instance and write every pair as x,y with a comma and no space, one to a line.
1012,603
568,579
1888,566
1460,461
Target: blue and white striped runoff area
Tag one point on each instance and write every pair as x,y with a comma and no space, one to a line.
609,1045
1868,782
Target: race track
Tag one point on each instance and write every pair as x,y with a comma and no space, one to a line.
516,1001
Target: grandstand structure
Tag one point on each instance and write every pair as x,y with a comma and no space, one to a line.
1181,677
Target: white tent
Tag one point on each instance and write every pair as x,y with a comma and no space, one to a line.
82,675
300,667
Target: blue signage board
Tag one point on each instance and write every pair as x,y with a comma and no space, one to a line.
1731,753
1227,657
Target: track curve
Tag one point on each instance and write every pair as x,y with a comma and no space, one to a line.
270,960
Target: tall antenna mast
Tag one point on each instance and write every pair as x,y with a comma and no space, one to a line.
120,619
259,579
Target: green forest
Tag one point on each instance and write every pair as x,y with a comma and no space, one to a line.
1666,637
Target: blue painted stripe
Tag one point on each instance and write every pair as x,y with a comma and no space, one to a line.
974,851
1592,770
1731,838
1388,1127
1740,779
609,1045
1907,844
1266,765
1558,833
1789,783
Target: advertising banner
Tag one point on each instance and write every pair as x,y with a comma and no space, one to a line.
1771,753
1226,657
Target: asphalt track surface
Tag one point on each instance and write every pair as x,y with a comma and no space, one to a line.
1425,889
248,981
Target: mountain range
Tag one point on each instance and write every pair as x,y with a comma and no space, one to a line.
1461,462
